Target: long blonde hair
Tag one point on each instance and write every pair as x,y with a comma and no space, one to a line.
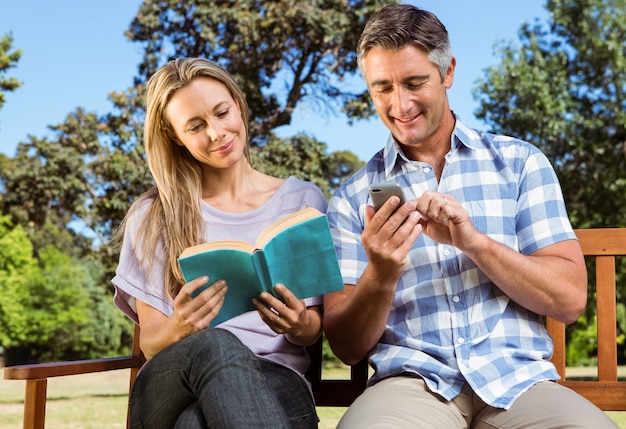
174,219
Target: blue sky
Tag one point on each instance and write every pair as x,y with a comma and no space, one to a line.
75,54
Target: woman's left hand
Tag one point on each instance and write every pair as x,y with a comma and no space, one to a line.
289,316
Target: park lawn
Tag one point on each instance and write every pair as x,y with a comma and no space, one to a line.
96,401
91,401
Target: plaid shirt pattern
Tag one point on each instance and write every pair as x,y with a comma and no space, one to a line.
449,324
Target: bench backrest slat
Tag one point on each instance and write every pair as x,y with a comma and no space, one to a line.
608,393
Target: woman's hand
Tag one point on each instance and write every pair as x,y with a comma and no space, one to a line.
195,313
191,314
301,325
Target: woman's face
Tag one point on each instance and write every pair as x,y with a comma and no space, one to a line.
207,121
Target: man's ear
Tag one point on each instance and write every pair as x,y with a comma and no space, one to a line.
449,77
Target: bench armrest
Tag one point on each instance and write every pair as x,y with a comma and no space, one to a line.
59,369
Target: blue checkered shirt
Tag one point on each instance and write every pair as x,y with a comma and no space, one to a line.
449,324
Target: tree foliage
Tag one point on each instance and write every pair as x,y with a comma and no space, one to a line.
306,158
280,52
70,189
564,89
52,306
91,169
8,60
47,183
17,266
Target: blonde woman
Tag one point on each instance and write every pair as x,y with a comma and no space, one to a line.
248,371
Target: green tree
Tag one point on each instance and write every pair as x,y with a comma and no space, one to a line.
8,59
123,174
48,179
280,52
69,313
92,168
306,158
17,267
52,307
82,179
563,88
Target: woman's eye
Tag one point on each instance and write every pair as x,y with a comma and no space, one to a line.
223,113
195,128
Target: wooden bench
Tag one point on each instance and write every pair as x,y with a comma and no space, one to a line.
607,392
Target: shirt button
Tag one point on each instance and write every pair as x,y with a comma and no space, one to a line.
447,252
426,169
461,340
456,298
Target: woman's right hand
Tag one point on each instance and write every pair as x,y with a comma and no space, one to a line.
191,314
195,313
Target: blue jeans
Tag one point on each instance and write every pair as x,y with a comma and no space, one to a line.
211,380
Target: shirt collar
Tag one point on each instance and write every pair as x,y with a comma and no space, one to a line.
395,160
464,136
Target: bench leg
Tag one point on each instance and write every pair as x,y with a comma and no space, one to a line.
35,404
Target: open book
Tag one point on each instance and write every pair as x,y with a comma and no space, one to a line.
296,250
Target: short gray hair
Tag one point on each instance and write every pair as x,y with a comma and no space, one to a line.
399,25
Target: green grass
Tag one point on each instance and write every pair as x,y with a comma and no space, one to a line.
92,401
97,401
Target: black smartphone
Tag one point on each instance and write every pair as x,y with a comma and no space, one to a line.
380,192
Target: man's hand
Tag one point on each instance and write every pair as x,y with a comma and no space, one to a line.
445,220
388,237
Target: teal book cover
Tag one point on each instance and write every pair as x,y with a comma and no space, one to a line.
296,251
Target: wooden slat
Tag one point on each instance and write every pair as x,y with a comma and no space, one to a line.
602,241
607,395
606,311
556,330
35,404
59,369
134,371
36,376
607,392
336,393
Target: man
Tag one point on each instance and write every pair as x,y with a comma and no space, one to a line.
445,296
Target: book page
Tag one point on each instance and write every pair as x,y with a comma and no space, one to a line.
283,223
221,244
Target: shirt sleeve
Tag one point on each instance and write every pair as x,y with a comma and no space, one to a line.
346,222
132,282
542,217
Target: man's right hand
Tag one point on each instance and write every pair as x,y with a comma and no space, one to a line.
355,318
388,237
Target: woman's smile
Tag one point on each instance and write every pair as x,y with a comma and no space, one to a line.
224,148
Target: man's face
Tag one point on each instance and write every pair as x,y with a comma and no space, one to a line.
408,93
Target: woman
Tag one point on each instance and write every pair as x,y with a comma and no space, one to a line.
248,371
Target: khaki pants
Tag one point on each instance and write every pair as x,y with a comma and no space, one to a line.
406,402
